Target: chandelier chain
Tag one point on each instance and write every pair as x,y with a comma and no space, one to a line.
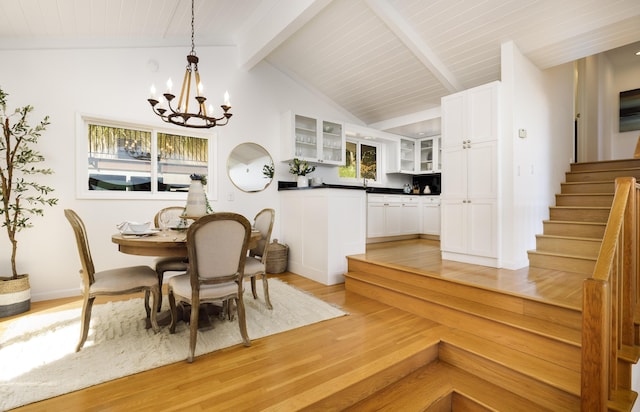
193,44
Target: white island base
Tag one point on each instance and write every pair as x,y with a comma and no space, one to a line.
322,226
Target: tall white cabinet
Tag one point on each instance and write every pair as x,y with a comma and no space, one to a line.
470,179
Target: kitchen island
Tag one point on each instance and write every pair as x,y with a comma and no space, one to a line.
321,226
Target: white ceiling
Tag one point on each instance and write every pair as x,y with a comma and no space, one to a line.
386,62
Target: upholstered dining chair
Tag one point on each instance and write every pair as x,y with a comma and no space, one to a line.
118,281
169,264
257,260
217,247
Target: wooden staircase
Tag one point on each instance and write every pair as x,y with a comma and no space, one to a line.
573,234
501,351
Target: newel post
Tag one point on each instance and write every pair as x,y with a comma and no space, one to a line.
596,331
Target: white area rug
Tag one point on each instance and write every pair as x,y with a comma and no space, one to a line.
37,355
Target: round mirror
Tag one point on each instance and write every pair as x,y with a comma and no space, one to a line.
250,167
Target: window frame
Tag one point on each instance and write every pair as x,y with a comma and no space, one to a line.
82,171
359,143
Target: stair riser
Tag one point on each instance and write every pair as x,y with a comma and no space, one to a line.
547,396
549,313
579,214
599,176
561,353
587,187
598,200
568,246
574,229
561,263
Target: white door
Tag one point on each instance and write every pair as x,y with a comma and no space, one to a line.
482,227
454,226
375,220
393,219
410,218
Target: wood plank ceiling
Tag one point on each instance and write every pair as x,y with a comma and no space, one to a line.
385,62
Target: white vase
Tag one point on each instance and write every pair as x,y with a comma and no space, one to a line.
196,200
303,181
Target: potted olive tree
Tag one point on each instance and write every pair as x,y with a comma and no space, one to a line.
21,195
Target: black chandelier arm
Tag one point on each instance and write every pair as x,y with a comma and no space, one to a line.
183,119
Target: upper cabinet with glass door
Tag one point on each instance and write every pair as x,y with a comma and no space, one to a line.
407,155
415,156
312,139
429,155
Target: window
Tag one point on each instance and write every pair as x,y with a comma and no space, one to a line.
122,160
361,161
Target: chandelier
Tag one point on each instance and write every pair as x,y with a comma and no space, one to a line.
180,115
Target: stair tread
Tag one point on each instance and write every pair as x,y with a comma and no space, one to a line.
543,327
542,252
593,239
582,207
577,222
622,400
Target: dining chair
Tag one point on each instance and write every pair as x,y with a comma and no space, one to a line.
217,247
257,260
109,282
169,264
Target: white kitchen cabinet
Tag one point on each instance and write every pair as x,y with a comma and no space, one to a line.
415,156
429,155
322,227
312,139
392,215
430,215
410,215
470,178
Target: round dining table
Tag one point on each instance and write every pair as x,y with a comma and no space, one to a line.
162,244
168,243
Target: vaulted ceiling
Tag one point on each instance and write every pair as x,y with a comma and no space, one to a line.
386,62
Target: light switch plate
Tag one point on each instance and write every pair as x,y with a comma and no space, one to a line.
522,133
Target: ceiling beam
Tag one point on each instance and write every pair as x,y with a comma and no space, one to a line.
401,28
411,118
271,26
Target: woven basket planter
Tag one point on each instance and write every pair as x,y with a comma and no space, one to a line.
15,296
277,256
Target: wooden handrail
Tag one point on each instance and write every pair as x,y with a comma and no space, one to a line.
609,301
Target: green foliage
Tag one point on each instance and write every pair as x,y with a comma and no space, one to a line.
300,167
22,197
267,170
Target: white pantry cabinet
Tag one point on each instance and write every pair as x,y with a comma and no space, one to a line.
322,227
470,179
312,139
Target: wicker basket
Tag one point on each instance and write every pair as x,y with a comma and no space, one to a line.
277,256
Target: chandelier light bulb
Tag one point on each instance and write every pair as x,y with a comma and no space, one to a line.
153,91
226,99
169,85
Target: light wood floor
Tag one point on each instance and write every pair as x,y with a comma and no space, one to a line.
276,371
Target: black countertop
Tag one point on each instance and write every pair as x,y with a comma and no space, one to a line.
378,190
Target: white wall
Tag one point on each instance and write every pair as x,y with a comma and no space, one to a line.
114,83
541,103
616,80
